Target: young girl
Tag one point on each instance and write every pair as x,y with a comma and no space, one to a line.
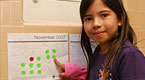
116,57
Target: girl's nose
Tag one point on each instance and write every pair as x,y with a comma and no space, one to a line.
96,23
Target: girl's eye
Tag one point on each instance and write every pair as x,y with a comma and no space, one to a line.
104,15
87,19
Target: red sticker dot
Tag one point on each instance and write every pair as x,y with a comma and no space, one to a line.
31,59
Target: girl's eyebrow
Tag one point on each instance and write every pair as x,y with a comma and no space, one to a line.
87,15
98,13
103,11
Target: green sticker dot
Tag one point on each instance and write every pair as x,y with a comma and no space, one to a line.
39,71
31,71
23,65
23,72
30,65
54,50
38,65
54,56
47,57
47,51
38,58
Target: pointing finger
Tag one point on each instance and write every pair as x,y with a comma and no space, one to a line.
59,64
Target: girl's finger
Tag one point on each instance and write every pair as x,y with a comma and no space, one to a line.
63,78
59,64
62,75
61,71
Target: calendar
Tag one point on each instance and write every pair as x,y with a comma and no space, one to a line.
30,56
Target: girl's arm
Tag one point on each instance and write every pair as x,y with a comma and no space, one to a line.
74,71
71,71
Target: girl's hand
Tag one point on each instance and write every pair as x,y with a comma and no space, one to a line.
62,71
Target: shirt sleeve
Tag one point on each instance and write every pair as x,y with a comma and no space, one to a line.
74,71
132,66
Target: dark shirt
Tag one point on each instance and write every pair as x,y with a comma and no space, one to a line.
130,65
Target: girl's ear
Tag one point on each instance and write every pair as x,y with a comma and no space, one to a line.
120,22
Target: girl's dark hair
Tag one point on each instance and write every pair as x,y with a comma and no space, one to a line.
125,32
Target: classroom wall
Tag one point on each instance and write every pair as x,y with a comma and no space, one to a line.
11,22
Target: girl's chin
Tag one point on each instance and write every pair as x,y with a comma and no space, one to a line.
101,41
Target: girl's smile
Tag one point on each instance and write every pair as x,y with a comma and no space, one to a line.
99,33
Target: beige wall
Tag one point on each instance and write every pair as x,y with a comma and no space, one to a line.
11,22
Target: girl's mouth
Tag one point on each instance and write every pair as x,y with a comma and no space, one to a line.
99,33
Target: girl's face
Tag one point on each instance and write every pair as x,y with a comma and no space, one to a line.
100,22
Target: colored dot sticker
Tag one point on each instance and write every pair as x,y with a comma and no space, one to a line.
38,58
31,71
31,58
47,51
23,65
30,65
47,57
38,65
23,72
54,56
54,50
39,72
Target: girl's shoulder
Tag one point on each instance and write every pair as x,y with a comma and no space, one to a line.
130,63
129,50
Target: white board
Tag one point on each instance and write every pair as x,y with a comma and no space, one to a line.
30,56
